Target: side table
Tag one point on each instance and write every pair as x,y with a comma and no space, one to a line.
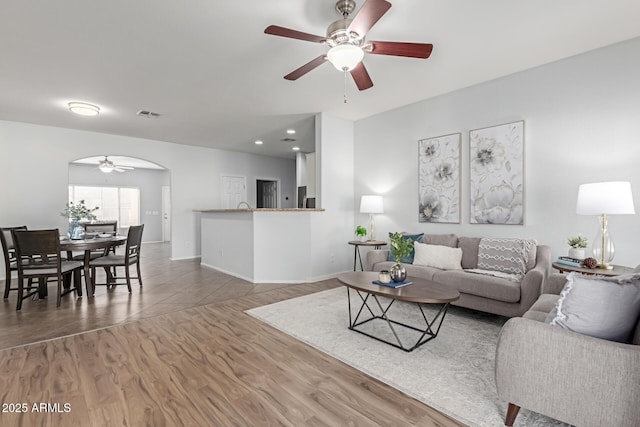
377,244
617,270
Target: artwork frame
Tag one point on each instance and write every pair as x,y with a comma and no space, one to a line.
439,179
496,174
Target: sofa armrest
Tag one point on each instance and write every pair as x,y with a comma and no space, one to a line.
554,284
375,256
572,377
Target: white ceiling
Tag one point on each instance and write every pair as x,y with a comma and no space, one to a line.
217,79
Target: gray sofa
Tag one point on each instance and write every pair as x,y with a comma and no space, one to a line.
574,378
480,292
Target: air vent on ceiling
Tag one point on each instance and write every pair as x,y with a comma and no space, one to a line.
287,140
148,114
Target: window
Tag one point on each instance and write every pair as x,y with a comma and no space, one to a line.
116,203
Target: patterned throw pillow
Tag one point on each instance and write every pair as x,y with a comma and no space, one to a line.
407,259
606,308
509,256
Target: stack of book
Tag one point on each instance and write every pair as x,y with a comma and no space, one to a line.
574,262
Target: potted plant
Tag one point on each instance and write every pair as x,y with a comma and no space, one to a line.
577,246
76,212
402,248
361,232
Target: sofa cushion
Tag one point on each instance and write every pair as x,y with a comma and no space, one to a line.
407,259
510,256
480,285
450,240
606,308
437,256
469,246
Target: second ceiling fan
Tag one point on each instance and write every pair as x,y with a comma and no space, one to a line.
346,37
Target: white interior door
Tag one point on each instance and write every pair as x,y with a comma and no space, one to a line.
234,191
166,214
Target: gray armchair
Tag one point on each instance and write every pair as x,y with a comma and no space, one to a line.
571,377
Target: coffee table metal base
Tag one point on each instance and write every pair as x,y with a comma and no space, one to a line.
427,333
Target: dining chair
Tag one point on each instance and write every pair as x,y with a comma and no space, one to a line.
9,252
131,256
103,227
38,257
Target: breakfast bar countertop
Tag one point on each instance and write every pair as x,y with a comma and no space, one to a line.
261,210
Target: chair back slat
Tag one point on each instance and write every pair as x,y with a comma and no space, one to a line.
110,227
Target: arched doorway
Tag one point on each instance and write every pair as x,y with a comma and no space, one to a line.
130,190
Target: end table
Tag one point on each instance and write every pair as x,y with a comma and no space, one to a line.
616,271
377,244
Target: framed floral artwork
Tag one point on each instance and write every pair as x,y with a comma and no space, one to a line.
439,179
496,174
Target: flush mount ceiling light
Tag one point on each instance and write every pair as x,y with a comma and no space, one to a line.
345,57
84,109
291,131
296,148
258,142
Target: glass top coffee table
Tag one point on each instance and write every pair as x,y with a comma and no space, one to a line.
421,292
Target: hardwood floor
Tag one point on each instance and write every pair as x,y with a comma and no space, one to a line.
182,352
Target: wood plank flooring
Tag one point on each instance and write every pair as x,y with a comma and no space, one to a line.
180,351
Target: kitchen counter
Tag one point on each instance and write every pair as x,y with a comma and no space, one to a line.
260,210
260,245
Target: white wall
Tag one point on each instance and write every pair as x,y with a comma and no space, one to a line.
333,228
34,175
582,124
148,181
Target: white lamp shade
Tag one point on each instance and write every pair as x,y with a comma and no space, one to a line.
371,205
605,198
345,57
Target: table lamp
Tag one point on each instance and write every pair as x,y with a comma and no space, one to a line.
604,198
371,205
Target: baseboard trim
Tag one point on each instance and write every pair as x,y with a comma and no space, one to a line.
186,258
287,282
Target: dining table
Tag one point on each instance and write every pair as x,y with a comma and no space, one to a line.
87,246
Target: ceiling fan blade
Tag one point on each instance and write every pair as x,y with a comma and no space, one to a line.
411,50
293,34
296,74
129,168
361,77
370,12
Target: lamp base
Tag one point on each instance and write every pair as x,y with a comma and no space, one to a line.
605,266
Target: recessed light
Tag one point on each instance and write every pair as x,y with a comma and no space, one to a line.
258,142
291,131
84,109
296,148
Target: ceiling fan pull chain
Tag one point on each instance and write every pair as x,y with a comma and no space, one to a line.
345,85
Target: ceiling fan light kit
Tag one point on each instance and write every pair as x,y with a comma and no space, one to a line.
345,57
346,39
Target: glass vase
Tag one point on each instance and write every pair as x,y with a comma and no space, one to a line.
76,231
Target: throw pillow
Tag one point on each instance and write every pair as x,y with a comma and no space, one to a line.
442,257
407,259
510,256
606,308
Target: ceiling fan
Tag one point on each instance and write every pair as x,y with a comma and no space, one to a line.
346,37
107,166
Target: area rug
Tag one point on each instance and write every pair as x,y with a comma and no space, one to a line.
452,373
